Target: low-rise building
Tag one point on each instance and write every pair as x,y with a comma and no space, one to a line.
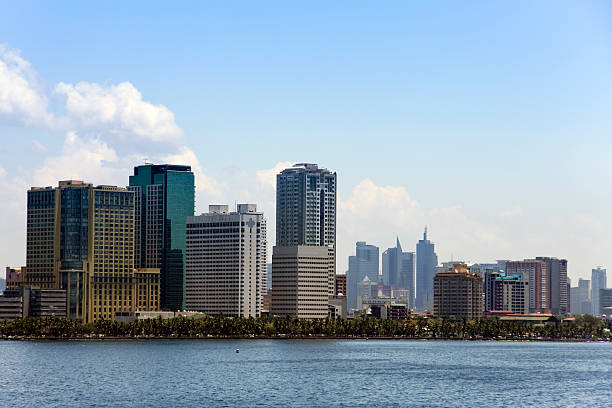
25,301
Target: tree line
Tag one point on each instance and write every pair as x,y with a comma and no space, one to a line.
584,327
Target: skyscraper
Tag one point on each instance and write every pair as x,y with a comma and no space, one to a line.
580,298
506,292
164,197
226,261
398,270
426,264
81,238
598,281
557,285
363,263
306,210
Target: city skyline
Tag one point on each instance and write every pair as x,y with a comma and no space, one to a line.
75,113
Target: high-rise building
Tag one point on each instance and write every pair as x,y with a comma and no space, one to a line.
398,269
536,273
458,293
426,264
300,282
80,238
226,261
598,281
363,263
580,298
605,302
506,292
306,211
164,198
557,284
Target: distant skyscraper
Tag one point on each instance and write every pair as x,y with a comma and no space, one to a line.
80,238
580,298
458,293
164,199
557,285
536,273
398,269
306,210
426,264
598,281
226,261
363,263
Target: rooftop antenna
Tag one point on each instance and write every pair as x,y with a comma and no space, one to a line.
425,234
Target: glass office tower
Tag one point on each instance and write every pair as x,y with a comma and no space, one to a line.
165,197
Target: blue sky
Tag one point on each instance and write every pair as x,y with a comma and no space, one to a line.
491,118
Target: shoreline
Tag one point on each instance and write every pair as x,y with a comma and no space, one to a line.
153,338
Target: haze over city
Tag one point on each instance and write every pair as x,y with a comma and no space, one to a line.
489,123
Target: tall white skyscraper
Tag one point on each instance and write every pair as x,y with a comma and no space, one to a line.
226,261
598,281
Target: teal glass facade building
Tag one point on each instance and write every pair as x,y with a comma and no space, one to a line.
164,198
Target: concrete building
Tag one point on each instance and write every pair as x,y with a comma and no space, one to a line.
25,301
300,276
598,281
14,276
164,196
398,269
306,211
426,264
132,316
80,238
581,298
536,273
506,292
557,285
337,307
226,261
363,263
605,302
458,293
341,285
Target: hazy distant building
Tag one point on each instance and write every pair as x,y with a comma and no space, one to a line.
398,269
363,263
581,298
506,292
226,261
300,281
557,284
164,196
458,293
426,263
80,238
605,302
306,210
536,273
598,281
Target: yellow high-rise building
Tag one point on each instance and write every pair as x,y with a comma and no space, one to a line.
81,239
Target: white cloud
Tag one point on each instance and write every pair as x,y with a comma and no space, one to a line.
268,176
118,110
22,100
38,147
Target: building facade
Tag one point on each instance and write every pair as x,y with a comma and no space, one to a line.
25,301
598,281
306,210
300,281
557,286
580,299
341,285
458,293
426,264
398,270
164,197
505,292
80,238
226,261
536,273
364,263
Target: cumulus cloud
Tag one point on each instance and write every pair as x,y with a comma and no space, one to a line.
22,99
118,110
268,176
